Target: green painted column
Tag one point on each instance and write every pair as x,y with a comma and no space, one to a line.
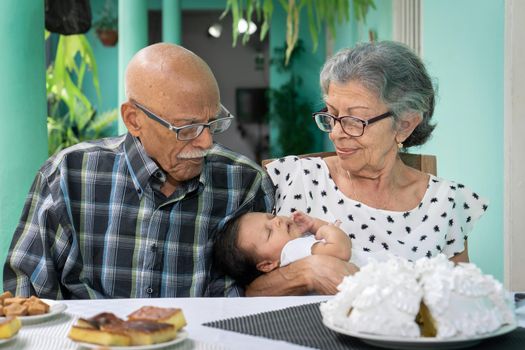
171,21
133,36
23,135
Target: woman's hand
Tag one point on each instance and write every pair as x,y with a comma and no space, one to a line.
327,273
319,274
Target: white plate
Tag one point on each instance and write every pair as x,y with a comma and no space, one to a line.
393,342
2,341
55,308
181,335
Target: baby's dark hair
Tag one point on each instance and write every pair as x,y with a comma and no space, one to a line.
232,260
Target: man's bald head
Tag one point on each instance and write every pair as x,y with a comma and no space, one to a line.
179,87
166,76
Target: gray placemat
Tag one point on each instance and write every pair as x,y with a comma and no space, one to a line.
302,325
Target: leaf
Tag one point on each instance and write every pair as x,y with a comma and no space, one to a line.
292,35
89,57
236,14
267,14
289,30
70,111
327,13
312,25
249,12
102,123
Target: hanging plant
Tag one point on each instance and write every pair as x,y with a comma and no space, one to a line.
327,13
106,25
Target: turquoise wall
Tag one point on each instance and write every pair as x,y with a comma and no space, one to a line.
463,48
23,136
378,20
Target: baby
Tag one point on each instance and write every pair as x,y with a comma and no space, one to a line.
257,243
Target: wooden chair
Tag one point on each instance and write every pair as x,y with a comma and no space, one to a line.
422,162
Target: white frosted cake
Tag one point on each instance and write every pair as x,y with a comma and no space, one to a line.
431,297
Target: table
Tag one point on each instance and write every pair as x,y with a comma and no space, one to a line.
52,335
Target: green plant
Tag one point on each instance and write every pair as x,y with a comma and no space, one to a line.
291,112
71,116
320,13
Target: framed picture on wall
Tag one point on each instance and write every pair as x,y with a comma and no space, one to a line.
251,104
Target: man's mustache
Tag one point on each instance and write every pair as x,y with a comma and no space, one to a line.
193,154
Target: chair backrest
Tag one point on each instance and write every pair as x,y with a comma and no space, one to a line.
422,162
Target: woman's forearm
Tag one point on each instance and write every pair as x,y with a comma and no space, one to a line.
461,257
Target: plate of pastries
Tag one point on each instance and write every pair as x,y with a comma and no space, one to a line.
149,327
29,310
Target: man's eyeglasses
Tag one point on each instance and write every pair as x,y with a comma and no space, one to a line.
352,126
189,132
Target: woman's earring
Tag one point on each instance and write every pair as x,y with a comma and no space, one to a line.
400,145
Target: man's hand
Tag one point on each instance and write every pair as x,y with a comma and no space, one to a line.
319,274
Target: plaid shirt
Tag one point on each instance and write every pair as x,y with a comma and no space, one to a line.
95,224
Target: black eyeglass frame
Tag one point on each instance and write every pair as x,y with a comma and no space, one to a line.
365,123
177,129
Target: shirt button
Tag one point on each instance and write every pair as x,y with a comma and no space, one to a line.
139,191
154,247
149,290
158,174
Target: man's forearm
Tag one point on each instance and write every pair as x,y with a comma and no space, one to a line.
288,280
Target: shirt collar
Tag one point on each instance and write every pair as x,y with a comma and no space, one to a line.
140,165
143,168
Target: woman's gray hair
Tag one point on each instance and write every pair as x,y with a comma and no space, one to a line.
392,71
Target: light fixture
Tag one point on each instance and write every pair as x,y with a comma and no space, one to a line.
215,30
243,26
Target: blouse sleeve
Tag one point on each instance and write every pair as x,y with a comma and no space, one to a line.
290,194
467,209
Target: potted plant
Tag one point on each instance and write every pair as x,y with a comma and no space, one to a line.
106,26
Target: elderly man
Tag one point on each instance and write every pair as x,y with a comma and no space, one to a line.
136,215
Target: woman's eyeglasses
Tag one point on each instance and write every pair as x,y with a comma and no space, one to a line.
352,126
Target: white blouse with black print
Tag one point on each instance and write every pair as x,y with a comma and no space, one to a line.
439,224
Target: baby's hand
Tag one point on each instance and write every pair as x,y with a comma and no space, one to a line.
331,232
303,221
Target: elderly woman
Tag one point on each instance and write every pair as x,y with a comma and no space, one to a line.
379,99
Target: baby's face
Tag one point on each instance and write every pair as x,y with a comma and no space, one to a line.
265,234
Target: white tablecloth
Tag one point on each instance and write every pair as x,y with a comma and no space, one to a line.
52,334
